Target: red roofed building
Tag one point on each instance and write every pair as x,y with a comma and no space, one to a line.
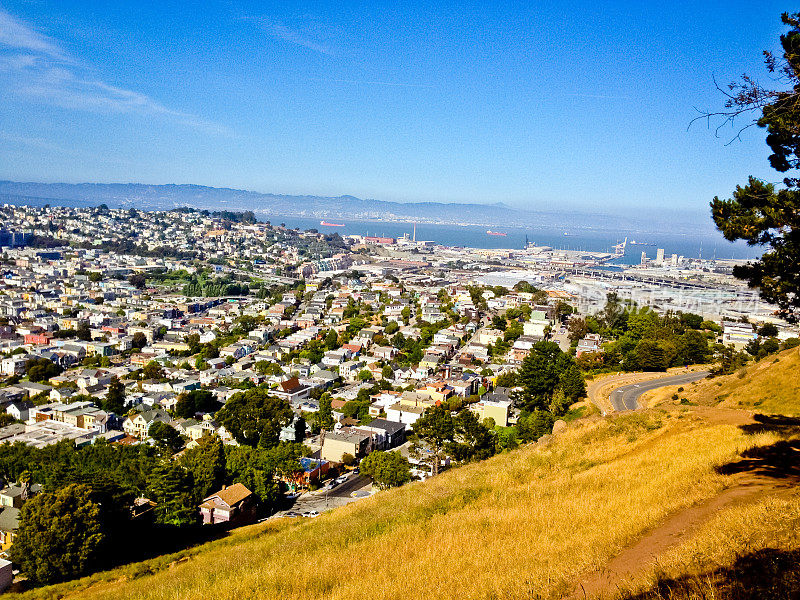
352,348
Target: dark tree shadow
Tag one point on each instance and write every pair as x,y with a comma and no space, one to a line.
778,461
784,426
765,574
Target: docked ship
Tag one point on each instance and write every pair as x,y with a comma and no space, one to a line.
500,233
326,224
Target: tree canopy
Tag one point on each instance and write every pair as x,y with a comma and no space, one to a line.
386,469
254,417
549,374
761,213
59,535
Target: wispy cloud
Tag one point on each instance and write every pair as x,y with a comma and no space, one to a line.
15,34
39,68
282,32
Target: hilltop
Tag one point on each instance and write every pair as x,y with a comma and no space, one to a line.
701,489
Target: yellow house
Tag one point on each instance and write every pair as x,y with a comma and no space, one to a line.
9,523
430,361
499,411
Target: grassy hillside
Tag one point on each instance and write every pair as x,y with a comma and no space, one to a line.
749,552
528,523
770,386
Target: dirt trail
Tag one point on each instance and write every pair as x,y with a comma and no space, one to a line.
760,473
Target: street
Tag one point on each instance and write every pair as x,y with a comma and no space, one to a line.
627,396
322,500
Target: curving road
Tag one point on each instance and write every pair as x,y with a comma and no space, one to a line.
627,396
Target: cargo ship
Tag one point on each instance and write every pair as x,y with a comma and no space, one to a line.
500,233
326,224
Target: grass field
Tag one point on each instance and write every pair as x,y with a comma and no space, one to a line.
526,524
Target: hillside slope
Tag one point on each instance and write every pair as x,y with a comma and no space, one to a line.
530,523
770,386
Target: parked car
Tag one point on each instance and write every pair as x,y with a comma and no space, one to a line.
311,513
291,514
356,471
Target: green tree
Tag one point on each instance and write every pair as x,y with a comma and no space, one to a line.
691,321
768,330
331,340
761,213
82,332
245,465
613,311
170,487
386,469
254,417
324,416
572,383
41,369
139,340
115,398
532,426
195,401
207,463
545,370
693,347
59,535
650,356
166,436
432,431
577,329
387,372
472,440
153,370
137,280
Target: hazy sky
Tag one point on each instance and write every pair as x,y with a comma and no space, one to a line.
542,105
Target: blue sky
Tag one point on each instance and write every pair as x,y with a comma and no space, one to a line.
541,105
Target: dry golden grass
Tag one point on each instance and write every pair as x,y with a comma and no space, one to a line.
526,524
767,387
750,551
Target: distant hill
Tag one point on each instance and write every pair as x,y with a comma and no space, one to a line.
161,197
165,197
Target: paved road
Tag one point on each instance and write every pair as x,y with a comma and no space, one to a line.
327,500
627,396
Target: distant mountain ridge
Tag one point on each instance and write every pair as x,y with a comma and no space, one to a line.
163,197
169,196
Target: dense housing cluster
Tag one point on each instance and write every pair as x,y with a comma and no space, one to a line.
186,367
